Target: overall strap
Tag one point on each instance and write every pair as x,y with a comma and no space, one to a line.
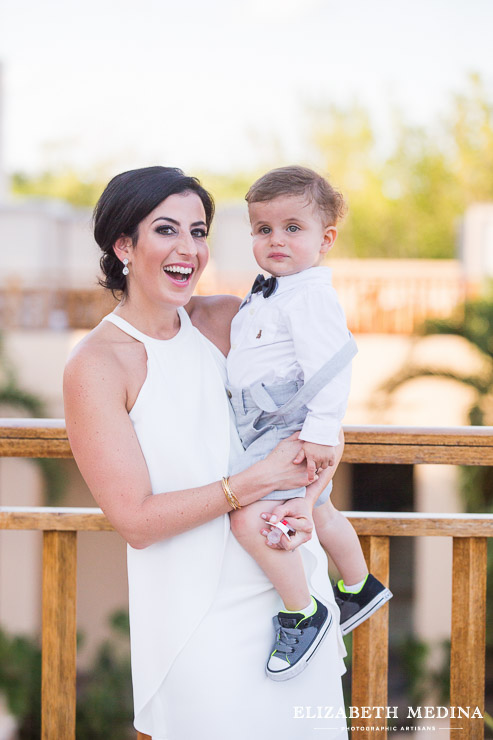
309,390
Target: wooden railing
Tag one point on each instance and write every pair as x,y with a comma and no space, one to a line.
466,446
389,296
55,308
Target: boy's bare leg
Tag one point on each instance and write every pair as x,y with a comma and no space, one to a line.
338,537
284,569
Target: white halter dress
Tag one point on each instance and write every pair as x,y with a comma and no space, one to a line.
200,607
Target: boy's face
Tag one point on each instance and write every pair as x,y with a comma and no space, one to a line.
288,235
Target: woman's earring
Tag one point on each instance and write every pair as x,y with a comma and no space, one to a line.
125,270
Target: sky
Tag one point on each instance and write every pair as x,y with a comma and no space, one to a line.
220,85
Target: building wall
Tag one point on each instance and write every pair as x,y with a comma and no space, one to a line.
47,244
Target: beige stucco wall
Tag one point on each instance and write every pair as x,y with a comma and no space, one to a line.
47,244
20,552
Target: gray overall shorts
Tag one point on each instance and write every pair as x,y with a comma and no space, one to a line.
266,414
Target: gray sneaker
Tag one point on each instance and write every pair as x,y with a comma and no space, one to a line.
297,638
356,608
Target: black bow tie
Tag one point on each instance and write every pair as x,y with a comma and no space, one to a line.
266,285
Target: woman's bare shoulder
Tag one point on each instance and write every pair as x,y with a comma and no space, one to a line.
96,348
102,359
212,316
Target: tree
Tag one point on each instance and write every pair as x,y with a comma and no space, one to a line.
408,202
66,185
474,323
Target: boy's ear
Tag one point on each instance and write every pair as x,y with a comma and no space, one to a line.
122,247
330,235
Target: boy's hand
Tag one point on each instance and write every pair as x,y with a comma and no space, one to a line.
318,457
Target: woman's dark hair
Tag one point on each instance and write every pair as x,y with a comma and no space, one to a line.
126,201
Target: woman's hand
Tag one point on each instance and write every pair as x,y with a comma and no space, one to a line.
297,512
314,490
281,471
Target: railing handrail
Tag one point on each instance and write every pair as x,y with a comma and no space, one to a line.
468,445
385,523
50,426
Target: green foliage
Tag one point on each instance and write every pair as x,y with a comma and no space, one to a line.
54,479
473,322
228,187
17,399
422,680
104,697
20,682
405,198
104,701
407,203
104,692
66,185
120,623
472,135
488,721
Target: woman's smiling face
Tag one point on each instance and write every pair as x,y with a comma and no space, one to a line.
171,251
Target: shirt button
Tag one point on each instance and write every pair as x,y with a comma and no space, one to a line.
230,395
233,346
252,311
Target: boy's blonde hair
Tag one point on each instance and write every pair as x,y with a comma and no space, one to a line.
296,180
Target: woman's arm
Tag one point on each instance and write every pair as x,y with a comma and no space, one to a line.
110,459
212,316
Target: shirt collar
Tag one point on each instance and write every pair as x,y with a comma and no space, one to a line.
319,275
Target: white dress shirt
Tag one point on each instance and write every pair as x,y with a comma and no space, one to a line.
289,336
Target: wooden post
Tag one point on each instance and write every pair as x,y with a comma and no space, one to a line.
59,635
370,649
467,662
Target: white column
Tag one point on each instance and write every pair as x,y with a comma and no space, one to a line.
3,176
436,491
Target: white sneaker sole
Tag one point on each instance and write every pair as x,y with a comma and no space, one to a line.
300,666
361,616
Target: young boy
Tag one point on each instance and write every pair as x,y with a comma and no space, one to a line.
289,369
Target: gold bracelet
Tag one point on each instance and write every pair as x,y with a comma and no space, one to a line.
227,494
232,500
235,500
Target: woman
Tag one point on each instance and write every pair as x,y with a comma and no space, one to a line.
151,430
